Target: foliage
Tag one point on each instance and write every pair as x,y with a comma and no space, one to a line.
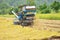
16,10
44,8
10,11
4,8
45,11
6,5
31,2
55,6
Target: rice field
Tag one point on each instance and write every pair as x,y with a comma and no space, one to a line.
9,31
51,16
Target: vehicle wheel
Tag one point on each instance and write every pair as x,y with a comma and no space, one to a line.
15,23
24,24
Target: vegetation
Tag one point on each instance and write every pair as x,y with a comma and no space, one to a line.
55,6
31,2
43,8
17,32
9,31
49,16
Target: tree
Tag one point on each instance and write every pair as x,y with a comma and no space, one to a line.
44,8
55,6
3,8
10,11
31,2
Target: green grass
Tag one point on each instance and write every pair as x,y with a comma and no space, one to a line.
9,16
49,16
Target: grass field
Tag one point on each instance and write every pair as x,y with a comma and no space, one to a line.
9,31
7,16
49,16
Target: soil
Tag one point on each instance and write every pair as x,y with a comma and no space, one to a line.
47,24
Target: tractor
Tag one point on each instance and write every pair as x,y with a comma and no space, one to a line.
26,16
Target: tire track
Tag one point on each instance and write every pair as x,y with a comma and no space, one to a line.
43,23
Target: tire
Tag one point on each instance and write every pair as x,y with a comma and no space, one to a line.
15,23
24,24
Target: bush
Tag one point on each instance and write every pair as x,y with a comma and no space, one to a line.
46,11
55,6
10,11
3,11
44,8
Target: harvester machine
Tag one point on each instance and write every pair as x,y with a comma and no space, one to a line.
26,16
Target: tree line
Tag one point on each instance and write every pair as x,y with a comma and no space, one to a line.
43,8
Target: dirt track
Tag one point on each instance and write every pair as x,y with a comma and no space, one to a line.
47,24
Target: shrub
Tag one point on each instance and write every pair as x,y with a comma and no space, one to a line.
44,8
55,6
46,11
